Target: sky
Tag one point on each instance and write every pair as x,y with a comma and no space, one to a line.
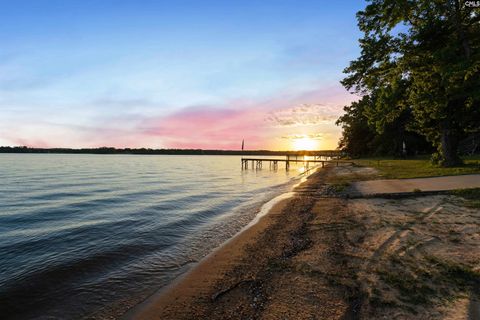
175,74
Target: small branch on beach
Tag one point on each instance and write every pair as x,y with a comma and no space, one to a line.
220,293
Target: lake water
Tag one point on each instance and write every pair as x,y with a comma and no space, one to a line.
93,235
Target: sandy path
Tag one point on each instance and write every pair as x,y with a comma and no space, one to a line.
423,184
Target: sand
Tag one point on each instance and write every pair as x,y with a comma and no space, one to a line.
318,256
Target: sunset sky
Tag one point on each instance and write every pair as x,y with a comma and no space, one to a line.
175,74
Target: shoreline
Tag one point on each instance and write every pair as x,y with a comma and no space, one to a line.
275,204
319,256
238,280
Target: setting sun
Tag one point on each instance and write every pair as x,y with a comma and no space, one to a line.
305,143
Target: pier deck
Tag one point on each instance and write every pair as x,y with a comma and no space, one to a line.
257,163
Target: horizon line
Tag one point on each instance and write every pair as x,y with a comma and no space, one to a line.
158,149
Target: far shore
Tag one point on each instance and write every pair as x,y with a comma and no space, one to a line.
167,151
318,255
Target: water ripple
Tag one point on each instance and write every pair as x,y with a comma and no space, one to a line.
81,233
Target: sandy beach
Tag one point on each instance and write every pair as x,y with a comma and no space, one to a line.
317,255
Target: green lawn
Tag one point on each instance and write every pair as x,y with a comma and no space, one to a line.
417,167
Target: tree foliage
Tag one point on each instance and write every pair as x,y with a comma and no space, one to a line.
422,59
361,138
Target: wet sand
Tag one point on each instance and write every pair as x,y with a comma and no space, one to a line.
320,256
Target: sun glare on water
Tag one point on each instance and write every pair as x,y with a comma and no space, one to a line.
305,144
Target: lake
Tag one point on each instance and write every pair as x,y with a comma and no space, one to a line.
94,235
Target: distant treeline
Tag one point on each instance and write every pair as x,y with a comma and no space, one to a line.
418,76
147,151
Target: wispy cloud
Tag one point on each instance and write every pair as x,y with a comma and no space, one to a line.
127,103
258,122
264,123
206,127
303,115
312,136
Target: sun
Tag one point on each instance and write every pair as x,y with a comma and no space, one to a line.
305,143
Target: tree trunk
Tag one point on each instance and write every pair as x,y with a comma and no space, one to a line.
449,147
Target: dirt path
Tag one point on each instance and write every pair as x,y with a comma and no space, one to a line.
409,185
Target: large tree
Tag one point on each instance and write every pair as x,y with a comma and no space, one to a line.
421,57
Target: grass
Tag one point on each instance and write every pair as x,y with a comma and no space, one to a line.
421,281
472,196
417,167
461,274
413,288
340,186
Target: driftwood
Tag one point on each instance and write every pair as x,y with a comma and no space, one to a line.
220,293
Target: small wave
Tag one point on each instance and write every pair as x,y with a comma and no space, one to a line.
95,231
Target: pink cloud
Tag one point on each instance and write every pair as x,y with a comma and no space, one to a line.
262,123
208,127
212,127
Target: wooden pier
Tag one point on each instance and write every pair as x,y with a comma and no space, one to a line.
257,163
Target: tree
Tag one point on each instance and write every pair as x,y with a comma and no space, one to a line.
357,134
360,137
422,58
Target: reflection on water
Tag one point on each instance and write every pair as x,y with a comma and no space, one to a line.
92,235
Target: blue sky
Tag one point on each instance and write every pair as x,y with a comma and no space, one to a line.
93,73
